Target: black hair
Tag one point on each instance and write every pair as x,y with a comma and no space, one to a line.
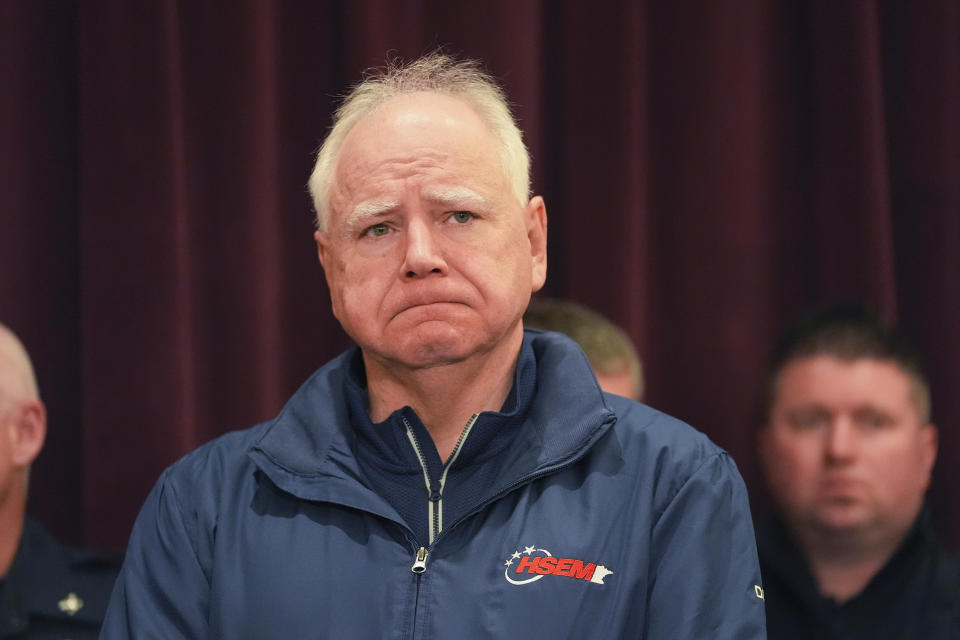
848,331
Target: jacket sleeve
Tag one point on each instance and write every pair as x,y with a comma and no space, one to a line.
163,588
705,576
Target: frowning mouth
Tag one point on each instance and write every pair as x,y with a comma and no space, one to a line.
428,306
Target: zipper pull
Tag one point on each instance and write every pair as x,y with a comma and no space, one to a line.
420,564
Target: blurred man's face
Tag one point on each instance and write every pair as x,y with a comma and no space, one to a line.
845,450
429,257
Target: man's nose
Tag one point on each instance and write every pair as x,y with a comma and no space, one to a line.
423,253
841,440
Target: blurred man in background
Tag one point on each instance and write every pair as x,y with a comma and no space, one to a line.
608,347
847,451
46,590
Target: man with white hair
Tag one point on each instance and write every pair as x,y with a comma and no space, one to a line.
46,590
452,476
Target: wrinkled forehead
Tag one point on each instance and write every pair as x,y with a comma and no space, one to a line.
419,130
423,109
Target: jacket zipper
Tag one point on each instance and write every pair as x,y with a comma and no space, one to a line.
420,561
435,492
420,558
522,481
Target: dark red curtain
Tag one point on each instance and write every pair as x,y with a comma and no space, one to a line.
710,170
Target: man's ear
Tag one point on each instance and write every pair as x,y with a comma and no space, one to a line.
929,446
535,215
323,241
28,423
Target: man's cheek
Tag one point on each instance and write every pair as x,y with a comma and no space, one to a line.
360,300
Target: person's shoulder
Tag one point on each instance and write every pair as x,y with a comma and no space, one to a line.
662,452
226,459
641,426
63,582
44,548
218,455
315,396
218,472
948,581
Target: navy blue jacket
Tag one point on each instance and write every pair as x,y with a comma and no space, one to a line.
53,591
607,519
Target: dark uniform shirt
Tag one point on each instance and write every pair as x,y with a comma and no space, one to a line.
52,591
915,596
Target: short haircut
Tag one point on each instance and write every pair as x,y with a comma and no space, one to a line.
17,379
608,347
436,73
849,331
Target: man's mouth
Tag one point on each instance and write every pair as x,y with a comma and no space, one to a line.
426,304
839,487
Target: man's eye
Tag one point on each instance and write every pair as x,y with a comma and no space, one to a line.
461,217
807,420
377,230
873,419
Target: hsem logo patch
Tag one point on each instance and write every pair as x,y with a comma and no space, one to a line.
534,563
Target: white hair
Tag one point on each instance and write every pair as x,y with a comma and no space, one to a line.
437,73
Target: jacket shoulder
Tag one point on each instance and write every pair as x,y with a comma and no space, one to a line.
212,467
639,425
293,427
664,452
57,582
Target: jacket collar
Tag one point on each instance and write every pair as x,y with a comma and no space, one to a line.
309,449
386,445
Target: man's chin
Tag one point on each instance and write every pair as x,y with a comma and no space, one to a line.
433,344
436,354
426,353
844,520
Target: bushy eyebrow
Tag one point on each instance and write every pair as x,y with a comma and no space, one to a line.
456,198
366,212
